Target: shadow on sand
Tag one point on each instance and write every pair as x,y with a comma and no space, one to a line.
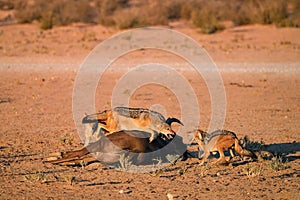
286,150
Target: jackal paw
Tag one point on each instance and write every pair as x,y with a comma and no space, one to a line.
151,138
221,162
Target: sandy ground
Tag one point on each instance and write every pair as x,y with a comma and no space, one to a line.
259,66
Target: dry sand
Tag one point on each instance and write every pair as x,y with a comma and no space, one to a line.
259,65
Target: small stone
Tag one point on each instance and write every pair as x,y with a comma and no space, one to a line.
170,196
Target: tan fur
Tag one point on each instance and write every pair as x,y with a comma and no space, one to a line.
220,141
122,118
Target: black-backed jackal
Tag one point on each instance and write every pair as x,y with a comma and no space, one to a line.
124,118
219,141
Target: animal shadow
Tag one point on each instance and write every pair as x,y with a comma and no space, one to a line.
289,151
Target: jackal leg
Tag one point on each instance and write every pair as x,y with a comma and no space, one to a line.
205,156
222,158
153,136
231,153
103,129
199,153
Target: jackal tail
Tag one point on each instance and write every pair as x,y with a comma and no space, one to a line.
97,117
243,152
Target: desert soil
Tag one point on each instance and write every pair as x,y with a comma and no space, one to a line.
259,65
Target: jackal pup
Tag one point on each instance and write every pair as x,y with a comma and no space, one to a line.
219,141
124,118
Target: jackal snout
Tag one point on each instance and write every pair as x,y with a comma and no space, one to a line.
167,131
90,118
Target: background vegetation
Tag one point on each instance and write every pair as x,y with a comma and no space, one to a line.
123,14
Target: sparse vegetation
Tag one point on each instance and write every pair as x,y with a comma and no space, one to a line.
124,14
70,179
277,164
6,5
125,162
204,169
252,170
172,158
157,168
36,177
54,12
182,170
67,140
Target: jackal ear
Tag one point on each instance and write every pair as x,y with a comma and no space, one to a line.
201,134
171,120
196,136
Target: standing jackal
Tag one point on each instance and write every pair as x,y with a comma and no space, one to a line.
219,141
123,118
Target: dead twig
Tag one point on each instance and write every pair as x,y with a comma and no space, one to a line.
5,100
241,85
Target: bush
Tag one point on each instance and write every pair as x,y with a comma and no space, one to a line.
6,5
47,21
107,8
274,11
127,19
295,16
207,15
54,12
243,13
27,12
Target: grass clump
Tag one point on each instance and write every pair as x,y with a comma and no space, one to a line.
125,162
253,171
277,164
172,158
37,177
67,140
